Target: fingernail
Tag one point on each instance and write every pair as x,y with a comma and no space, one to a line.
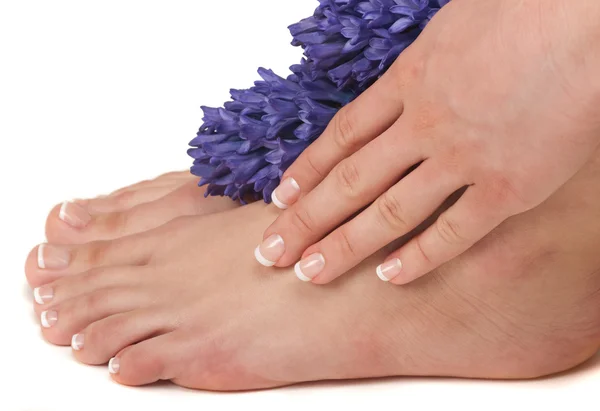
270,250
77,342
52,257
43,295
113,366
310,267
74,214
49,318
389,270
286,194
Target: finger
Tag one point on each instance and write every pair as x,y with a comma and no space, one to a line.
454,232
354,183
394,214
372,113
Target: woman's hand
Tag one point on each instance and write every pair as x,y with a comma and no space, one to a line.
500,96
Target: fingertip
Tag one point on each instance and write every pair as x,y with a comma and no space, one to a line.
286,194
278,202
389,270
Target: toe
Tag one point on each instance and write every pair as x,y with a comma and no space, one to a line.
49,262
65,221
127,199
71,222
62,320
102,340
159,358
172,179
49,296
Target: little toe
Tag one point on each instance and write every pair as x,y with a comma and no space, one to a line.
103,339
152,360
48,262
64,319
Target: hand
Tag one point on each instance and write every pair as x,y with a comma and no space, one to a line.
497,96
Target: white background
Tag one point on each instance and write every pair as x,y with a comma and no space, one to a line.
95,95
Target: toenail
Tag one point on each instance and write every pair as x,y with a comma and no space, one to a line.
389,270
286,194
49,318
308,268
52,257
77,342
114,366
43,295
270,250
74,214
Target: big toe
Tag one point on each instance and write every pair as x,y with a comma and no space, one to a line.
76,222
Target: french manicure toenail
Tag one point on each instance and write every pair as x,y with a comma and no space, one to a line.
43,295
389,270
77,342
286,194
114,366
308,268
74,214
52,257
49,318
270,250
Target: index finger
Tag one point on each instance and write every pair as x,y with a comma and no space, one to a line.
361,121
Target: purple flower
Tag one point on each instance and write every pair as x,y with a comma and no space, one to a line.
243,148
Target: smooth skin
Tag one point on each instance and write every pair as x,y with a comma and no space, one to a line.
497,100
522,303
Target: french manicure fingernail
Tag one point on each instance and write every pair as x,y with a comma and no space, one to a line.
308,268
52,257
286,194
114,366
389,270
43,295
49,318
74,214
270,250
77,342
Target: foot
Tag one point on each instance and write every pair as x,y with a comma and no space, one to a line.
186,302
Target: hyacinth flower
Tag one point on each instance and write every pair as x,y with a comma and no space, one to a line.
244,147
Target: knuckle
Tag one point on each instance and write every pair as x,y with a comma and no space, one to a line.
421,250
392,213
448,230
312,165
347,178
344,130
301,220
96,253
342,242
115,222
95,278
99,334
92,302
124,198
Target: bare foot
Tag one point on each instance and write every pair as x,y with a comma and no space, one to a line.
187,302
